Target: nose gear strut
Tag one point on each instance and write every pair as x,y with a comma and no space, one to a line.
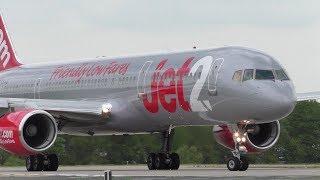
238,162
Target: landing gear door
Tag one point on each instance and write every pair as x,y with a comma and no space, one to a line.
213,76
141,83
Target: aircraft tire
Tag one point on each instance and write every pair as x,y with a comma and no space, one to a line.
160,161
39,162
151,161
175,161
53,163
30,163
244,164
233,164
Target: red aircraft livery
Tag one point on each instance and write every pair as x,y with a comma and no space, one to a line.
159,90
86,70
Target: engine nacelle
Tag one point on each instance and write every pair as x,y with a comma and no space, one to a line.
259,137
27,132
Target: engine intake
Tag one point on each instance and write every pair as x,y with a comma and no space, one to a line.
263,136
27,132
259,137
38,130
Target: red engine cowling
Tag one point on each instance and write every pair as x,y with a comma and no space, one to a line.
27,132
259,137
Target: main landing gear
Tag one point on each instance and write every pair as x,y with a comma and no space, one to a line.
164,160
42,162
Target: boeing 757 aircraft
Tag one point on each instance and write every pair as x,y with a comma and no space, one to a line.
240,92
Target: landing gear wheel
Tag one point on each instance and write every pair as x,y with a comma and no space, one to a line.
233,164
151,161
244,164
164,160
39,162
42,162
34,162
159,161
175,161
53,163
30,163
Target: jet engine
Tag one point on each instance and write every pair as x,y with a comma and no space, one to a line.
27,132
253,138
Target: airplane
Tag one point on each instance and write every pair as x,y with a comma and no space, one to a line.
242,93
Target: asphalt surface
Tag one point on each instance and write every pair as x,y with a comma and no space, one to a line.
140,172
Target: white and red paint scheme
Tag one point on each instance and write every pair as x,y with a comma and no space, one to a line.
240,92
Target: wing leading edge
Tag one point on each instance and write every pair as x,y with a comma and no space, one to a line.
80,111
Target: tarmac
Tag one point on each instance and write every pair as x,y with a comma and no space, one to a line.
185,172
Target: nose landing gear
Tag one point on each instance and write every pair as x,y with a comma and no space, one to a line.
238,162
164,160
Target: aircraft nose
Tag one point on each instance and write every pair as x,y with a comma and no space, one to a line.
284,100
276,103
286,103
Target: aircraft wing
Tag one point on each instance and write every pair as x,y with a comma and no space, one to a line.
70,110
308,96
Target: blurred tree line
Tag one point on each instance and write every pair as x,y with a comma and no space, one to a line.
299,142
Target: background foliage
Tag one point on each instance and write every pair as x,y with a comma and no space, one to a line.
299,143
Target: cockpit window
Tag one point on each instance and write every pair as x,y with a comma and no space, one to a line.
248,74
281,75
237,75
264,74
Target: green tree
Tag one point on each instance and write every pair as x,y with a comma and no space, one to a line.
190,154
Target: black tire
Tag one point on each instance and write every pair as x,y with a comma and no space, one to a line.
175,161
244,164
53,163
159,161
233,164
39,162
151,161
30,161
46,164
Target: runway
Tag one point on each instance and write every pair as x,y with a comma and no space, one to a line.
186,172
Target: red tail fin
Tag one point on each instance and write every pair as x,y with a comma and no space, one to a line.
7,57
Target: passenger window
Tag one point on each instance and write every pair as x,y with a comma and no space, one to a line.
281,75
264,74
247,75
237,75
